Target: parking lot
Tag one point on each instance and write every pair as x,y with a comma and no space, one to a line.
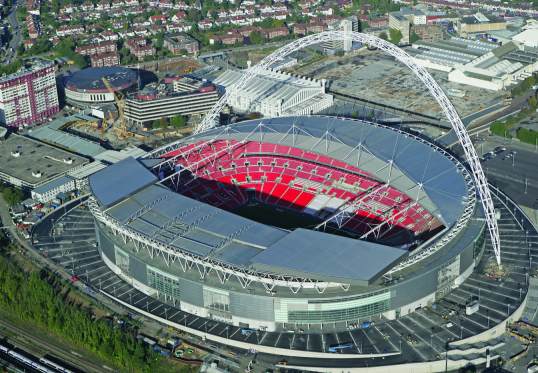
421,336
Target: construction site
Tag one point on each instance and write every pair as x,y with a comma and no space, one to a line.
373,76
96,100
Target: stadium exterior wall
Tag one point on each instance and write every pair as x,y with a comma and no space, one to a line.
282,309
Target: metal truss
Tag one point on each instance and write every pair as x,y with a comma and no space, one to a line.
428,248
257,134
206,265
211,118
341,216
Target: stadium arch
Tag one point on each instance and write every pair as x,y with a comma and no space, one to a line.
210,120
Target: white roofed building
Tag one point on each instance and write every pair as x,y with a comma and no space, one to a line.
275,93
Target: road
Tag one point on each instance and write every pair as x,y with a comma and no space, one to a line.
16,33
516,176
484,117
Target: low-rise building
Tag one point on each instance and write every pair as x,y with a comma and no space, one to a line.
181,42
69,30
49,191
479,23
97,48
140,48
429,32
105,59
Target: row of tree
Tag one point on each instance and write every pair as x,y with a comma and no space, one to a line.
178,121
36,298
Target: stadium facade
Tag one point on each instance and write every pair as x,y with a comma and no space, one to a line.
393,223
87,87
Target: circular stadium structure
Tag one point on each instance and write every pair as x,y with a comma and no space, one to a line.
87,87
295,222
336,243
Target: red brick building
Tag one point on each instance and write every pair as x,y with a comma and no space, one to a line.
105,59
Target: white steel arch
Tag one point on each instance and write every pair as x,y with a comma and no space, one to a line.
210,120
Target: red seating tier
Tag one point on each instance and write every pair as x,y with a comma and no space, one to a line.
290,178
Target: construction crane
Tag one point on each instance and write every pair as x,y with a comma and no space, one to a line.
121,128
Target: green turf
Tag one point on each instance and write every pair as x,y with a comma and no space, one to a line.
277,217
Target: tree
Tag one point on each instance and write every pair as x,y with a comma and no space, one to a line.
395,36
12,196
178,121
414,37
10,68
155,124
163,123
383,36
256,37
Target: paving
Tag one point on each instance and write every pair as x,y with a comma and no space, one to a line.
69,240
375,76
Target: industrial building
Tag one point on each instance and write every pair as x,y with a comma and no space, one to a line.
481,64
275,93
444,55
29,96
28,163
87,88
171,97
498,69
479,23
54,134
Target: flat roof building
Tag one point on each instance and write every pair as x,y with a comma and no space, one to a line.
49,191
479,22
28,163
175,97
53,134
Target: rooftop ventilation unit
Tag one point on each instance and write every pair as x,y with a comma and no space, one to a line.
37,174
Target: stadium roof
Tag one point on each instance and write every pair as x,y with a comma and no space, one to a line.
129,192
119,181
91,79
315,254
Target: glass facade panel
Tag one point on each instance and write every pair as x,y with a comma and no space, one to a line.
353,313
217,300
122,259
164,283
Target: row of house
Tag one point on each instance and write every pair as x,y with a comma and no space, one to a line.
239,35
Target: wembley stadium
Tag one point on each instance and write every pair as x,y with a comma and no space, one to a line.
292,223
342,241
323,242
